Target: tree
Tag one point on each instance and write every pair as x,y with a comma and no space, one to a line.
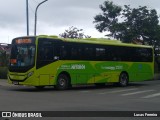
108,20
141,23
137,25
4,54
74,32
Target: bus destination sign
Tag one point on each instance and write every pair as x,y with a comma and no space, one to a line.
22,41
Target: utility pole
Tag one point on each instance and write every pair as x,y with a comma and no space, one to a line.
27,17
35,25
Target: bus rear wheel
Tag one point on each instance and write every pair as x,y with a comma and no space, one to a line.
62,82
123,79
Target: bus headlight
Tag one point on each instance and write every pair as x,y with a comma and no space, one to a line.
30,74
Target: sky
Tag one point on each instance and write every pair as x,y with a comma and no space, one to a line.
55,16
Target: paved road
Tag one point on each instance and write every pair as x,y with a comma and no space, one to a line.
142,96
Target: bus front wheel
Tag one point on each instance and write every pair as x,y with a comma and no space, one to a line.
123,79
62,82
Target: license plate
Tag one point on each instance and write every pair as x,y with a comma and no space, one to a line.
15,83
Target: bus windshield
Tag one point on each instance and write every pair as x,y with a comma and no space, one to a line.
22,55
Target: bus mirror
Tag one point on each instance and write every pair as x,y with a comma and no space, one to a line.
56,58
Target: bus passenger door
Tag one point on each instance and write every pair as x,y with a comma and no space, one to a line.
45,57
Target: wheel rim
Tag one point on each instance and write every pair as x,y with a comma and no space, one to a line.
62,82
124,79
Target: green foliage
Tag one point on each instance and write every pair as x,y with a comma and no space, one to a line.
141,23
3,59
74,33
128,24
108,20
3,72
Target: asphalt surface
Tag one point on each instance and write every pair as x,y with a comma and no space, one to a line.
142,96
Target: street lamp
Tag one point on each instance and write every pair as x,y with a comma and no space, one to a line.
35,26
27,17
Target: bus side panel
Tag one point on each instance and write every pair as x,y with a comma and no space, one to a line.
80,72
88,72
110,71
92,72
85,72
141,71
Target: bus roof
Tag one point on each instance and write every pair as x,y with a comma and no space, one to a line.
101,41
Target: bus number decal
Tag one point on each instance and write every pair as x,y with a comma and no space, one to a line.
112,67
77,66
73,67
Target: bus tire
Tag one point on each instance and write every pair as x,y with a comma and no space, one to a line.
123,79
62,82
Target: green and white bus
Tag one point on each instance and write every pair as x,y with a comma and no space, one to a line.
51,61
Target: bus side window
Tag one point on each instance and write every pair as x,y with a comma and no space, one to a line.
89,53
47,53
63,53
74,53
144,54
100,53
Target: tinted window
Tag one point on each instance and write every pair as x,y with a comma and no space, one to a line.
46,52
48,49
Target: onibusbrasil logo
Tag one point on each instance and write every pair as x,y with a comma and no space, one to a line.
20,114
